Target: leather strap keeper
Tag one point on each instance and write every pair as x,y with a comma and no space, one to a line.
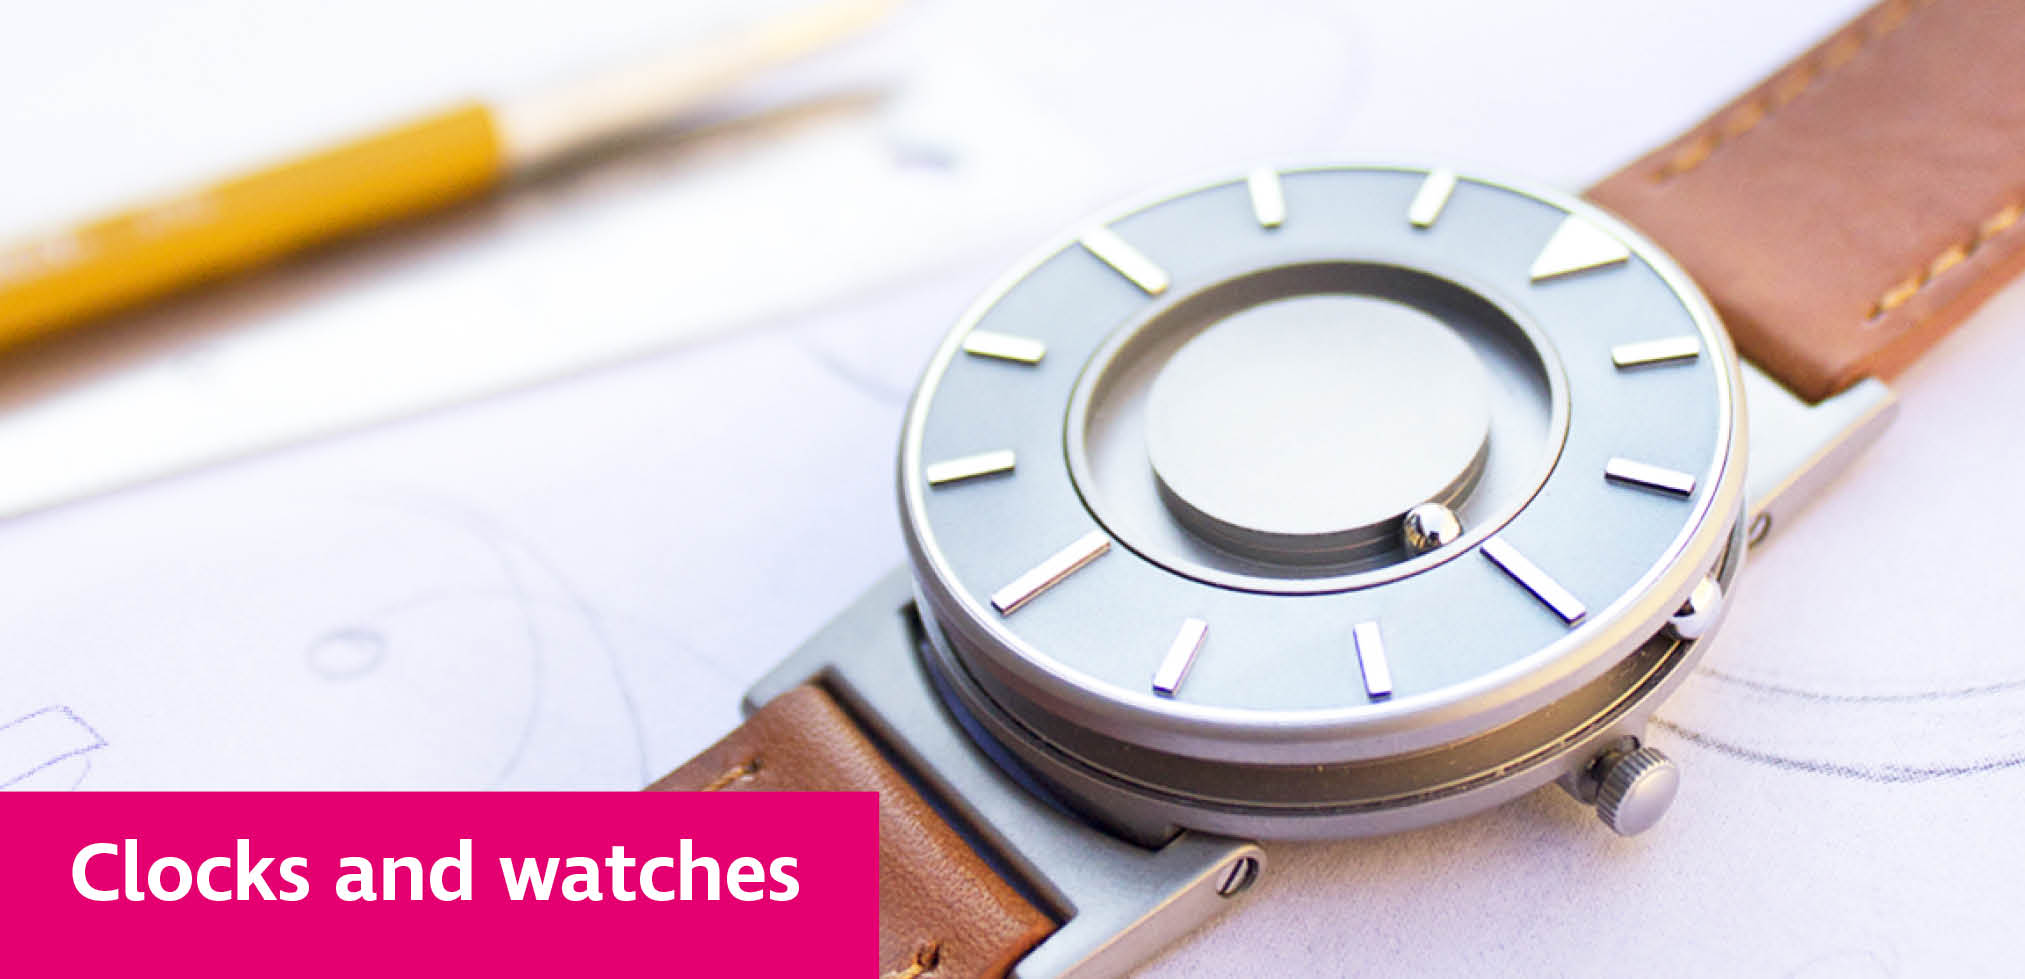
1849,211
943,912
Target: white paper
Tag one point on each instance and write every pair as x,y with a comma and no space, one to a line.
571,585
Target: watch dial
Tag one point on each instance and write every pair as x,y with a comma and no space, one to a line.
1320,445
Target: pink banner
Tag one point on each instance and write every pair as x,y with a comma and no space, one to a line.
509,883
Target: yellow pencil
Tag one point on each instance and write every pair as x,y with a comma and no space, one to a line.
67,277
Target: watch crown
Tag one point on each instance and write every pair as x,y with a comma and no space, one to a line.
1635,790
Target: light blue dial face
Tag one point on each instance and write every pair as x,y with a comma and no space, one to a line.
1169,463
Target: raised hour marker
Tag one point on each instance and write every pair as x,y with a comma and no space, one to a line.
1649,476
1269,205
1431,198
1004,346
1129,261
1575,246
1526,573
970,467
1666,350
1371,659
1180,654
1050,572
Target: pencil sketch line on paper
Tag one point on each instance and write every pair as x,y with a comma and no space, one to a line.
1880,772
1916,696
346,653
501,538
42,738
537,650
531,581
357,646
863,382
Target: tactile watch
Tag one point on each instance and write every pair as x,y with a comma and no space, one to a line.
1339,500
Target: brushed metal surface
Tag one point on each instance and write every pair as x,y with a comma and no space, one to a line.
1304,428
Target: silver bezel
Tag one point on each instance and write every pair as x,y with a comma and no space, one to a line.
1049,694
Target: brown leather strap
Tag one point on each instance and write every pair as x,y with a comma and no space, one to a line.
943,913
1847,212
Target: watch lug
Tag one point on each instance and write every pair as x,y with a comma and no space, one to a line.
1797,449
1118,903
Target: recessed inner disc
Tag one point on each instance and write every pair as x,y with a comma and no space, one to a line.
1305,428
